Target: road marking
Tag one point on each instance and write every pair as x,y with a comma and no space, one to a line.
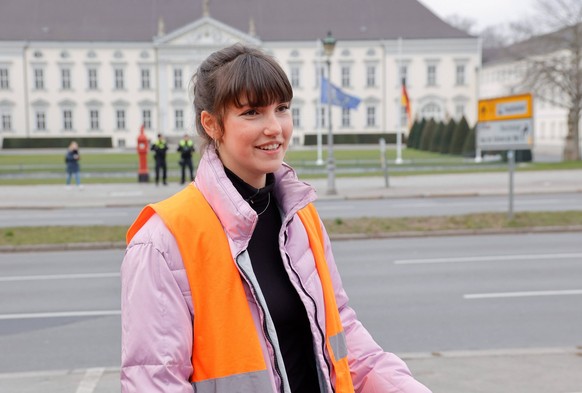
490,258
61,314
90,380
59,277
565,292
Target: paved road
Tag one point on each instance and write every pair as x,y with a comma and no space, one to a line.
548,360
455,308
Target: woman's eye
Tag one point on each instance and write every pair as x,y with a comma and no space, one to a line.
250,112
283,108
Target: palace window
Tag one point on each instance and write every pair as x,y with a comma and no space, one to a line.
4,80
94,119
65,79
67,119
120,119
38,78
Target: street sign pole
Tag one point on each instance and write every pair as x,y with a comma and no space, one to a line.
511,160
506,124
384,162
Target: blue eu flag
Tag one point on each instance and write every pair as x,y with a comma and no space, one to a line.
338,97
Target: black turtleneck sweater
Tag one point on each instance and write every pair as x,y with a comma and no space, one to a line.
285,307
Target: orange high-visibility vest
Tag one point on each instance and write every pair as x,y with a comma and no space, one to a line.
226,351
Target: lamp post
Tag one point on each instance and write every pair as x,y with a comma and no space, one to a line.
328,47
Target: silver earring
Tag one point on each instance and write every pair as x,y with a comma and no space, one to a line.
216,144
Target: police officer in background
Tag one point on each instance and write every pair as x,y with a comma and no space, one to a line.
186,148
160,147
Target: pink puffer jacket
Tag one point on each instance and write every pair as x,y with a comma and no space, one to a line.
157,307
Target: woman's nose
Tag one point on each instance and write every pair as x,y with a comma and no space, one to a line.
272,124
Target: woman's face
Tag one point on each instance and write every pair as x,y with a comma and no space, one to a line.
255,140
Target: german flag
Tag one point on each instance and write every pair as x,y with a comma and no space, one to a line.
405,101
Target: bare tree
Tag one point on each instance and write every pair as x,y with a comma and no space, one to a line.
462,23
554,61
495,36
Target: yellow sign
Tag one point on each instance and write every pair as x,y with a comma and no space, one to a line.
506,108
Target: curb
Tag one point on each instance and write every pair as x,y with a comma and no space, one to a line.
574,351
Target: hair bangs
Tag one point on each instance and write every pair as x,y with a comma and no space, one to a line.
257,82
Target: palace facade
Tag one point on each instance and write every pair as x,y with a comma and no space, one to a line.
102,69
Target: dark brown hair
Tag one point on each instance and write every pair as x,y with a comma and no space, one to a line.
237,75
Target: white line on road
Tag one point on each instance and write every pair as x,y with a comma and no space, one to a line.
490,258
59,277
61,314
90,380
522,294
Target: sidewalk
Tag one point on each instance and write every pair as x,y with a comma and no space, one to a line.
135,194
510,371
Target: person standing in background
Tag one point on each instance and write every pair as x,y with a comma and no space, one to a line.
186,148
160,148
72,162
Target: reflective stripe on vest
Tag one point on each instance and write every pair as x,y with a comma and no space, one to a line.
226,351
335,338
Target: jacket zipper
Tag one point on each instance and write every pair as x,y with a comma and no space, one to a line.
264,325
316,311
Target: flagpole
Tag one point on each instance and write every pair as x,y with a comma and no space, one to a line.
400,126
329,46
318,117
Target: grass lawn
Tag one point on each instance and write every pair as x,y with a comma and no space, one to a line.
363,226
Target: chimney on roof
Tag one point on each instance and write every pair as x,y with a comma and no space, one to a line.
161,27
205,8
252,27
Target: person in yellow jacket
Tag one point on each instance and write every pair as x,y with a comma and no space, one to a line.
186,148
230,285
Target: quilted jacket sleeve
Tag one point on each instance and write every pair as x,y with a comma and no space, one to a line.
156,317
372,369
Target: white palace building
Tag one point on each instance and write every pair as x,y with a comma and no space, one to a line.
85,68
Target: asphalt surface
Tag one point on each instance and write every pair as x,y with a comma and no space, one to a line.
510,370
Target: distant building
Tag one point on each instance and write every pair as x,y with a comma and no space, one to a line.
506,72
87,68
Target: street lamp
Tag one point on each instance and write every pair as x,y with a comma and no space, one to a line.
328,47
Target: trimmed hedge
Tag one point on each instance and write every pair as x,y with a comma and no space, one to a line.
469,148
354,139
459,136
427,133
437,137
61,142
448,137
415,134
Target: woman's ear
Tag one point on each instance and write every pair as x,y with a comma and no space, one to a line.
210,124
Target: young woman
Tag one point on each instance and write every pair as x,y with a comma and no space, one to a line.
230,285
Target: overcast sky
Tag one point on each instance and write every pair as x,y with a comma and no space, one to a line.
484,12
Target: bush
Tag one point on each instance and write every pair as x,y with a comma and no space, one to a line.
459,136
447,137
418,134
435,143
354,138
427,133
469,149
57,142
410,139
520,156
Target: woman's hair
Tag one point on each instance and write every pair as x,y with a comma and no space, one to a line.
236,75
